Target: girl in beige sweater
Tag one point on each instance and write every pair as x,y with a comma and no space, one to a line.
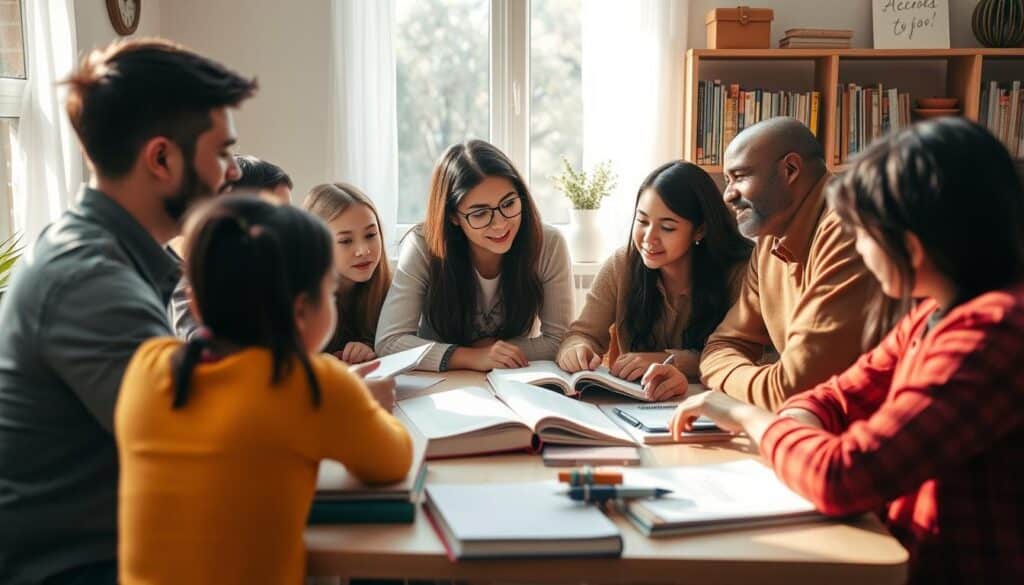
666,290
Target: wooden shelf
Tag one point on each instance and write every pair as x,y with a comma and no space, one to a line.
963,79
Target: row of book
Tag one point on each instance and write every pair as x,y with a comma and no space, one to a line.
866,113
723,111
1002,112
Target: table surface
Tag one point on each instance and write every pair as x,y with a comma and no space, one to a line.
857,550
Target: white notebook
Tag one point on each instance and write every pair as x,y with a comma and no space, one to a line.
521,520
708,497
514,416
547,374
397,363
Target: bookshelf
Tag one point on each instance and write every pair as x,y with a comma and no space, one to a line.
956,73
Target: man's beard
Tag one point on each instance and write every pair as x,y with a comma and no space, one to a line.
192,190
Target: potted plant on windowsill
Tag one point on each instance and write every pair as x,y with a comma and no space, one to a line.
10,251
585,193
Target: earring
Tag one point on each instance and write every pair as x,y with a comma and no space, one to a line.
696,243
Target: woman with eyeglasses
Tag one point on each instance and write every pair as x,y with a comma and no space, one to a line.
481,276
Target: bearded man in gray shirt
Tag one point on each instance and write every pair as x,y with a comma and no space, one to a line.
154,121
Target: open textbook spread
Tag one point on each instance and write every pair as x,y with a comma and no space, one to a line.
514,416
549,375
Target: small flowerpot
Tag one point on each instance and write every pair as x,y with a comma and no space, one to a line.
586,240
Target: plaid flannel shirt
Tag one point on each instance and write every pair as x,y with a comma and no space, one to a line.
928,428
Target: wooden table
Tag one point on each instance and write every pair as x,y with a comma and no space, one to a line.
855,551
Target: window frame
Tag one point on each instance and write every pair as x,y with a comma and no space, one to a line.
12,92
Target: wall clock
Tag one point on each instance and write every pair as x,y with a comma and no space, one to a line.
124,15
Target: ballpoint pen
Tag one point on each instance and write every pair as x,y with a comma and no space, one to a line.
603,493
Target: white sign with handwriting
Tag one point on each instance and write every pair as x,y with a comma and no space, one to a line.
911,24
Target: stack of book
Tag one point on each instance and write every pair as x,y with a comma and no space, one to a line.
726,110
343,499
865,113
1002,112
816,38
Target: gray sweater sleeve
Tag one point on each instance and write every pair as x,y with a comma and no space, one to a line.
398,327
556,277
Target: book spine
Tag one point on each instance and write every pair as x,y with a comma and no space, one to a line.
815,98
361,512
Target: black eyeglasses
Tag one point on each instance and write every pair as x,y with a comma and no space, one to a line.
482,217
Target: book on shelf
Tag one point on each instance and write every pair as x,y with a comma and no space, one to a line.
865,113
819,33
522,520
547,374
1002,112
816,43
511,417
725,110
739,494
341,498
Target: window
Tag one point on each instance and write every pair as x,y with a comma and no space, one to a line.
442,63
556,99
12,84
462,66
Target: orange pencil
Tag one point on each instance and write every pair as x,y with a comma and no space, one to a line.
590,475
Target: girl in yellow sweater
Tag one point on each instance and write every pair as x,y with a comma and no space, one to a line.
219,438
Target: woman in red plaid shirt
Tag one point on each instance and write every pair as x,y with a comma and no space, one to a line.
928,427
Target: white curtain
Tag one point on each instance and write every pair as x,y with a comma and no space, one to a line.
633,68
363,148
47,169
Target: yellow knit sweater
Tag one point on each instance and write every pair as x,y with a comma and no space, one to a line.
219,490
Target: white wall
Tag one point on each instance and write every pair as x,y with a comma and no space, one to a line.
286,45
850,14
94,29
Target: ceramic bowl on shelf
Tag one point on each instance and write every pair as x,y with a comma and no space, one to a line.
938,103
925,113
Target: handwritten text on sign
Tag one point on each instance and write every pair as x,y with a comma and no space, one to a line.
911,24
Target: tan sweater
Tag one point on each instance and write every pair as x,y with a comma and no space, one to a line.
806,293
606,306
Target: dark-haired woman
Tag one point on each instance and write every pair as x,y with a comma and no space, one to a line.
667,289
219,438
481,276
929,425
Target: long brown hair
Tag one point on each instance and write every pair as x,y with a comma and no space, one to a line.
451,302
953,185
691,193
359,310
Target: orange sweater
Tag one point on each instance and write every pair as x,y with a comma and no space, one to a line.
219,491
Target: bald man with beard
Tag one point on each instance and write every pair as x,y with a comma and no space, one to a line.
806,290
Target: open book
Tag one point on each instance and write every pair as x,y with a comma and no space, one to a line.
713,497
514,416
549,375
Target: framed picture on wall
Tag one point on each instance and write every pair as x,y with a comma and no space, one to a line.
911,24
